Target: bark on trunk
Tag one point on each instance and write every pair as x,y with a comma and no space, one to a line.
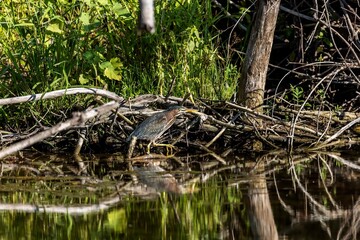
146,18
254,69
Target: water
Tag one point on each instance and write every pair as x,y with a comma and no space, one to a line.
47,197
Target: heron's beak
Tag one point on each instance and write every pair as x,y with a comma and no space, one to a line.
189,110
196,112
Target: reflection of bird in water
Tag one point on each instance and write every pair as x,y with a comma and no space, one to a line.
154,126
156,177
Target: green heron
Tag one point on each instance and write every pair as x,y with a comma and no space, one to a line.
152,128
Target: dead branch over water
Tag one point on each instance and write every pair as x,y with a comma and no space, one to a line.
219,123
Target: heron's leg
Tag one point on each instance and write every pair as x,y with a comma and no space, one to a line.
169,147
148,148
131,147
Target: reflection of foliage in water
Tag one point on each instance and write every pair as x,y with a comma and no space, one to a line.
187,216
217,209
208,212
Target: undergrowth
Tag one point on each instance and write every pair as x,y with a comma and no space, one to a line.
48,45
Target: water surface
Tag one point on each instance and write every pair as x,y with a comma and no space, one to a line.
268,197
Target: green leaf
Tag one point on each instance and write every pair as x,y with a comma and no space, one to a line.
112,74
92,56
191,46
105,65
84,18
24,25
83,80
112,69
103,2
116,62
120,10
89,3
54,27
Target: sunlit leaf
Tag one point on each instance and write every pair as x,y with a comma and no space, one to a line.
116,62
120,10
84,18
55,28
191,46
112,69
89,3
83,80
111,73
103,2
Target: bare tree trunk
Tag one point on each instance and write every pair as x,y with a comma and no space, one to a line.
254,69
146,18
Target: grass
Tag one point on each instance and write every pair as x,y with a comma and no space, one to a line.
49,45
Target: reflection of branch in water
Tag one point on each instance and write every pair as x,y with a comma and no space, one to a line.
319,211
278,162
7,167
352,221
205,176
321,207
343,161
293,161
204,148
327,166
323,180
287,208
81,209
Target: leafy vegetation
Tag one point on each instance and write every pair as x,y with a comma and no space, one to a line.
49,45
197,48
